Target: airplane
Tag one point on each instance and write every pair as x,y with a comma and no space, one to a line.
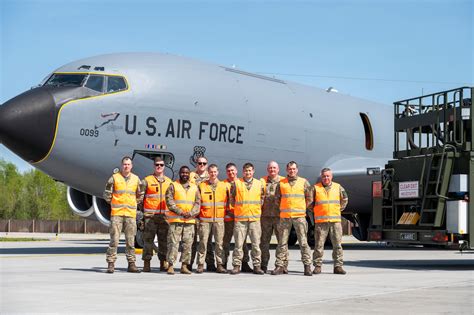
86,115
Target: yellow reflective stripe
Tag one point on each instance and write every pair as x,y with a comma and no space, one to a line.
326,202
247,217
152,196
119,206
239,203
327,217
293,210
124,191
211,219
292,195
153,211
210,204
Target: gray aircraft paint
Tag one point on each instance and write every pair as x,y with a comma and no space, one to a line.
271,119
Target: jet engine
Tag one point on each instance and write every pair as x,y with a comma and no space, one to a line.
80,203
101,210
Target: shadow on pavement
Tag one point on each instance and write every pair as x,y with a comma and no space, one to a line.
426,264
94,269
56,250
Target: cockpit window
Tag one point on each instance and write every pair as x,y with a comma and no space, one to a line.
115,84
66,79
102,83
95,82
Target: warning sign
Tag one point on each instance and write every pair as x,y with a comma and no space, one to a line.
408,189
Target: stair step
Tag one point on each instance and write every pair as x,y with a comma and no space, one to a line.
429,210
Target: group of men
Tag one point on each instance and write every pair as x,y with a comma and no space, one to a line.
198,207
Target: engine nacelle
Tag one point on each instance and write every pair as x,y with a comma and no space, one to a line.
80,203
102,210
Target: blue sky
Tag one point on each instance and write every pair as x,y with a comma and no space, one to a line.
378,50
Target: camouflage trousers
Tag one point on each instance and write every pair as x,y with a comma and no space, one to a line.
129,227
269,226
301,228
206,231
254,230
155,226
176,233
228,233
209,250
321,231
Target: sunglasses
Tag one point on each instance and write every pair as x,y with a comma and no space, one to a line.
202,163
160,164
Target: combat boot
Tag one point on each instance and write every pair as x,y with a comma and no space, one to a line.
184,269
278,271
200,268
163,265
265,269
339,271
132,267
317,270
146,266
246,267
221,269
258,270
211,267
285,270
170,270
235,271
190,267
307,270
111,267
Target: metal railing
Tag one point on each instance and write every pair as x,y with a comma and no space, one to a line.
426,124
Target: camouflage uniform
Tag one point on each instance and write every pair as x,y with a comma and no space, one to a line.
334,229
119,223
181,231
244,228
270,218
195,178
228,233
155,225
213,227
301,228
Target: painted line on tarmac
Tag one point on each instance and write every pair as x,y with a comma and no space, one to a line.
264,309
48,255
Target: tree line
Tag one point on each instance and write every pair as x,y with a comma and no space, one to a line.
31,195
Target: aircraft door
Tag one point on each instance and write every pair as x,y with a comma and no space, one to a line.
143,162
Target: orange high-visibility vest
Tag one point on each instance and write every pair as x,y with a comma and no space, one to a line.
213,202
327,204
248,204
184,200
124,196
229,212
293,202
155,202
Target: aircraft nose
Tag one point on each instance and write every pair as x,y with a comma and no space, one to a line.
28,123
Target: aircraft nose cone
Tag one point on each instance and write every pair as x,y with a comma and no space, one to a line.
28,123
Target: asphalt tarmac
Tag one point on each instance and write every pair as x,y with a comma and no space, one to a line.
67,275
